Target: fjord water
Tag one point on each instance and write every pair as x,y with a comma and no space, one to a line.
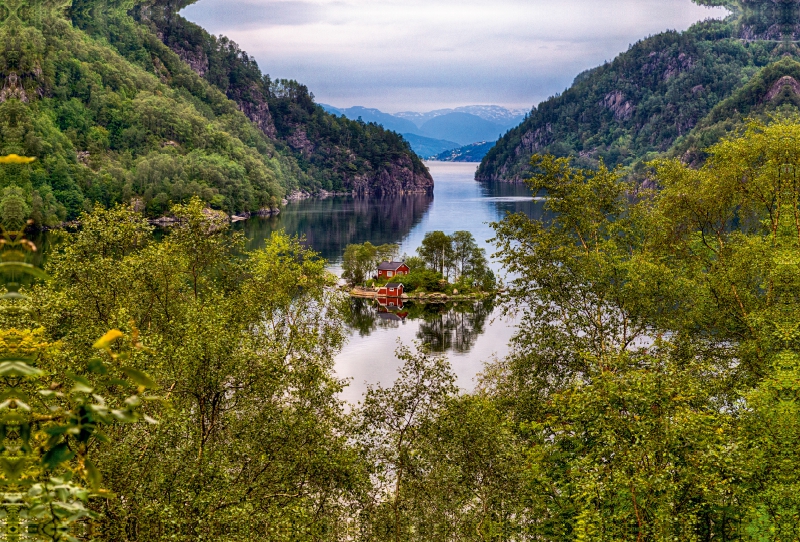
468,333
458,203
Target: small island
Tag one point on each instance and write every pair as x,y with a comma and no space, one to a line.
446,267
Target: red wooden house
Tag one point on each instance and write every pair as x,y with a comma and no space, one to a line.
387,270
393,289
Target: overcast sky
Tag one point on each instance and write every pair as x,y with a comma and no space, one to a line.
419,55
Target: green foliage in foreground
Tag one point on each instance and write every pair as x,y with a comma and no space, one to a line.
47,431
653,371
651,394
252,436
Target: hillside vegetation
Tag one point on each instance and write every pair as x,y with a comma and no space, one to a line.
113,115
671,93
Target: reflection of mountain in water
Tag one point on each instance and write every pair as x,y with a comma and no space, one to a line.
329,225
443,327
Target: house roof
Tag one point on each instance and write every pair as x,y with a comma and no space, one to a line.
394,285
390,266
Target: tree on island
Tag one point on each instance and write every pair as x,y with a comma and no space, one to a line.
362,261
457,255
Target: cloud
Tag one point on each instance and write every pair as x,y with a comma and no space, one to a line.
259,15
414,54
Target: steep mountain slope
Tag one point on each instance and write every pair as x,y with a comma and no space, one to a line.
113,115
333,153
642,103
104,130
773,90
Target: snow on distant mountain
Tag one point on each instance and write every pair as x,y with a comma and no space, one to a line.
464,128
507,118
442,130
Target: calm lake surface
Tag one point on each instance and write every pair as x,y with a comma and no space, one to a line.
470,334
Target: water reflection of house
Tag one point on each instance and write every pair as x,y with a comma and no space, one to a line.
390,302
386,308
387,270
393,289
393,316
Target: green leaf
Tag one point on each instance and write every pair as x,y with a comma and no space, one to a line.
82,385
23,268
93,475
124,416
139,377
97,366
57,455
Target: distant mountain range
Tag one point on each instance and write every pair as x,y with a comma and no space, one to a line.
428,147
468,153
445,131
493,113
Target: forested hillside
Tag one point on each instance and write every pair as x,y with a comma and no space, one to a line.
655,95
112,115
333,153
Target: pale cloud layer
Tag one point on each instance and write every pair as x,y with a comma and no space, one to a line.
420,55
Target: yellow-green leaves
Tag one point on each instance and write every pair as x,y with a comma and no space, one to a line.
16,159
104,342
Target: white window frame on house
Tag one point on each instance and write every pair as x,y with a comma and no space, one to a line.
390,273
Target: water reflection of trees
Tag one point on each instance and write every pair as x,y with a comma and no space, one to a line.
443,327
366,316
330,224
454,328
